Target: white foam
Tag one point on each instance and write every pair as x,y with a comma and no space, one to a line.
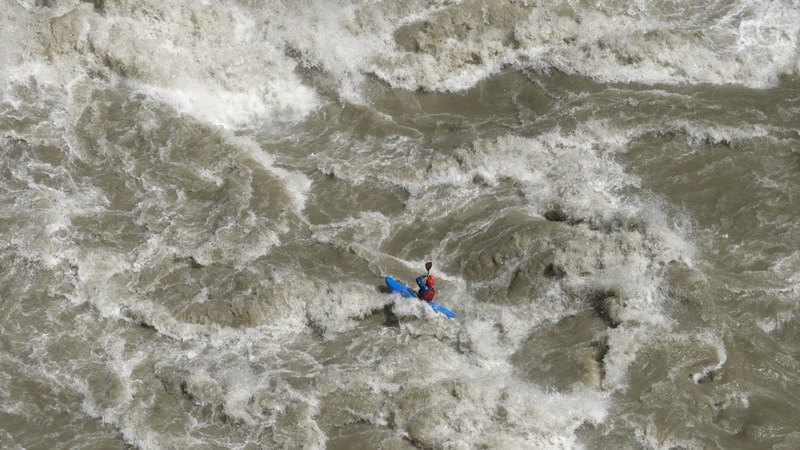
337,308
752,45
554,168
227,65
236,73
716,134
297,184
225,74
212,103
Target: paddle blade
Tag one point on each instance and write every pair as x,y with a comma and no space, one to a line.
428,266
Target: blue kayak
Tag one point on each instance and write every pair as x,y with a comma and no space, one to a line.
406,292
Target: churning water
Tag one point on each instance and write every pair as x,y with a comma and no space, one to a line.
200,200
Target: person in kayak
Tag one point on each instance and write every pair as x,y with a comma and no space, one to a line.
426,291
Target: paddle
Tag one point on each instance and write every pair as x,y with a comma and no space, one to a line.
428,266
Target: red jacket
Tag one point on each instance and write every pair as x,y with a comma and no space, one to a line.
425,292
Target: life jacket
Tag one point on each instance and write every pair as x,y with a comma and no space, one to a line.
426,294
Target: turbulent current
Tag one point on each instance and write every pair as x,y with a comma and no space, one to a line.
200,200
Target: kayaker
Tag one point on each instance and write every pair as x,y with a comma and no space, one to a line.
426,291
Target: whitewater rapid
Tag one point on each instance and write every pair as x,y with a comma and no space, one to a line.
201,199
